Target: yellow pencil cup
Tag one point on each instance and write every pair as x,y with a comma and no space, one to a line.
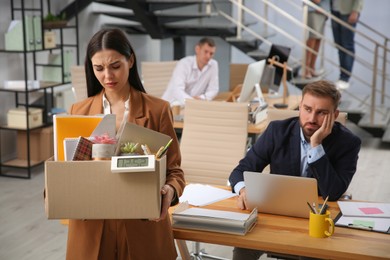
321,225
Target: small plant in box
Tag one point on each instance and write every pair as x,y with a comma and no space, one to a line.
129,148
104,147
51,21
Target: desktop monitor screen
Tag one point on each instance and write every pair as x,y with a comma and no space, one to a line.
281,53
252,76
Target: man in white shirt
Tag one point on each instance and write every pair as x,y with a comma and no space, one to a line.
195,77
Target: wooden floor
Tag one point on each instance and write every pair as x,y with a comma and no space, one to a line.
25,233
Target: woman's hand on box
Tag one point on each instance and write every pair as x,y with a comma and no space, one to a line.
168,193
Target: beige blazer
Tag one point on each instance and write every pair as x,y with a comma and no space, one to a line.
145,239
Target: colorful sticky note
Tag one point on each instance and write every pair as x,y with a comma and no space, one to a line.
363,223
371,210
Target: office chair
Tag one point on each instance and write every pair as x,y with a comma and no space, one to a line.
156,76
79,82
213,141
280,114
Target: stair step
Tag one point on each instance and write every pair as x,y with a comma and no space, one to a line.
188,13
110,20
258,54
178,1
386,135
244,44
154,5
378,126
100,8
381,118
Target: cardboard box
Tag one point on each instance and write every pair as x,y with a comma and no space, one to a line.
89,190
50,39
17,117
41,144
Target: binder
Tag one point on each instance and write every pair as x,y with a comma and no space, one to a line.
213,220
54,73
66,126
381,225
370,216
37,29
14,36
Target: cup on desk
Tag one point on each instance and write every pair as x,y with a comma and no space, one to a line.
176,110
321,225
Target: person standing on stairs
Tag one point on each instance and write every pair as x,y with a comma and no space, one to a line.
316,21
349,12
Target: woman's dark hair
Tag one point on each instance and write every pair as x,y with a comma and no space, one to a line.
113,39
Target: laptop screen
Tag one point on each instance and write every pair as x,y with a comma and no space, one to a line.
280,194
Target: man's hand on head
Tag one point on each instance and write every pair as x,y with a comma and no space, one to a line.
325,130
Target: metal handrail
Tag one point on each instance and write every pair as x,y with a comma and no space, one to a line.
369,66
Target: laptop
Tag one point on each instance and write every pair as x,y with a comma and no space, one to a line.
280,194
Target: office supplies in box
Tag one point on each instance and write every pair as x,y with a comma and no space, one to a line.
74,126
213,220
90,190
17,117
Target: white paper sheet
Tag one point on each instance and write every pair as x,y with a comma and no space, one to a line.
201,195
365,209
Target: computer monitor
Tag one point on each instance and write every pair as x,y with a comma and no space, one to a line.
252,76
281,53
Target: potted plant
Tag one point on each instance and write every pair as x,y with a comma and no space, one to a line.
103,147
51,21
129,148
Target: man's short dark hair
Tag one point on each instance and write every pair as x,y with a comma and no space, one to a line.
206,40
323,88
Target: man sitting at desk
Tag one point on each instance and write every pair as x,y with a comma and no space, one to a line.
195,77
313,146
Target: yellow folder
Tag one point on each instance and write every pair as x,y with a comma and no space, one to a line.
66,126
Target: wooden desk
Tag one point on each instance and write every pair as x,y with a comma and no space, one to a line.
287,235
293,103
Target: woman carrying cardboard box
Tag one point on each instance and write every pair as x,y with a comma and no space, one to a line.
114,86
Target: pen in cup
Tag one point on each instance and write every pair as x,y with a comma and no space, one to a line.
311,208
323,208
315,208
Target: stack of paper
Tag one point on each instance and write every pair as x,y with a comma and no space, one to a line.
201,194
364,215
213,220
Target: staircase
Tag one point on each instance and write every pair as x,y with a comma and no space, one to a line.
252,32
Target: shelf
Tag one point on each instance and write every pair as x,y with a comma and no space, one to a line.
6,127
48,25
42,85
35,142
20,163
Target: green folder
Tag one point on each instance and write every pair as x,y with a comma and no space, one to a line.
37,23
14,36
54,73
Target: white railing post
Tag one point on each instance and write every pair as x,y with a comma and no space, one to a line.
373,87
384,64
239,18
305,36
